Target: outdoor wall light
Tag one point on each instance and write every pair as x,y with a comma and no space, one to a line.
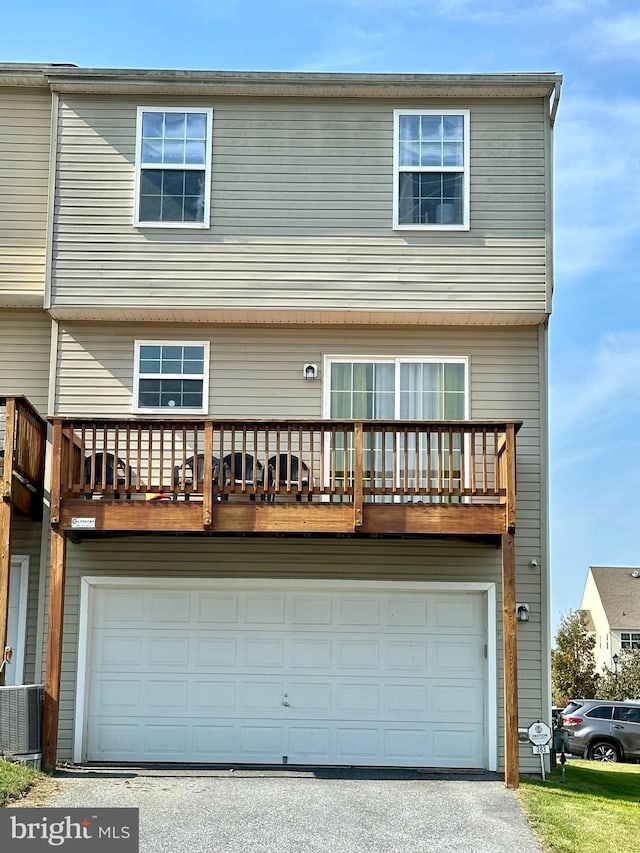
522,612
310,371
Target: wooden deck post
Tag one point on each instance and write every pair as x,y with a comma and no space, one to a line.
510,658
207,485
6,517
358,473
6,514
54,649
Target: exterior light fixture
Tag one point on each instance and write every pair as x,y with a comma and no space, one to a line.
615,660
522,612
310,371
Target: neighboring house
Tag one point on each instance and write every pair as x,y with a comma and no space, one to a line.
335,288
25,334
611,608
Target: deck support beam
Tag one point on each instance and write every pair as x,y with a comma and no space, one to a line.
53,668
510,658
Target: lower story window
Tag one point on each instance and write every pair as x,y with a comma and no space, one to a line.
171,377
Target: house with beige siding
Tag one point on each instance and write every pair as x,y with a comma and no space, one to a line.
611,610
25,126
297,401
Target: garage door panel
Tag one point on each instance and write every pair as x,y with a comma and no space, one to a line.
463,701
406,655
359,611
455,657
246,675
166,740
264,610
407,614
456,745
213,743
358,654
216,652
115,607
221,608
214,697
117,650
402,744
310,744
170,607
309,610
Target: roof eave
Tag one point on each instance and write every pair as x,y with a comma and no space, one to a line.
302,84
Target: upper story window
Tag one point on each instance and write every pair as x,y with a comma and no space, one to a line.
171,377
630,640
173,167
431,169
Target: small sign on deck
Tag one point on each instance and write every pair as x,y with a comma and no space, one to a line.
82,523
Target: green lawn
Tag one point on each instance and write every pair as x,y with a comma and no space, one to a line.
15,780
596,810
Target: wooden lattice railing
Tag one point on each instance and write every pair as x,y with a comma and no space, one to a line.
23,436
412,460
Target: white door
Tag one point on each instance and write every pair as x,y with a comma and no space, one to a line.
16,627
305,673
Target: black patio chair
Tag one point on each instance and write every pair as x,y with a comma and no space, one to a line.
104,466
183,474
290,472
253,471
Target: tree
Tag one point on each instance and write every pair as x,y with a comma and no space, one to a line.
573,665
624,681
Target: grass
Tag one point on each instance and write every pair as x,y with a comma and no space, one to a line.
16,780
596,810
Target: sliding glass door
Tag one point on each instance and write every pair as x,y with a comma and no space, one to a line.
406,389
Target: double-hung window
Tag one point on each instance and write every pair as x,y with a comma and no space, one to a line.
173,167
171,377
431,169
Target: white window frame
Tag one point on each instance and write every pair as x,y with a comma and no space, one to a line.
166,410
197,167
465,169
19,575
628,637
397,361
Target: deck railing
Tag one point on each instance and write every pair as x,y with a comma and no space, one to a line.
439,461
23,435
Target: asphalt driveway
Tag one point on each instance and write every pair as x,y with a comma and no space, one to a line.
241,811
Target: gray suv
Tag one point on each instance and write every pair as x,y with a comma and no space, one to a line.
603,730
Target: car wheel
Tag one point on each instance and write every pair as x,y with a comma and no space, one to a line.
603,751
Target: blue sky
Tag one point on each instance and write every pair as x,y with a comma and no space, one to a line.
595,44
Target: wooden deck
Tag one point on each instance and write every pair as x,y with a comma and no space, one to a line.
23,435
369,477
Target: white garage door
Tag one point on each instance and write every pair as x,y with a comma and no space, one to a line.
365,674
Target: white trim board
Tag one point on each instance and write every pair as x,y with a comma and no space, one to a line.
19,570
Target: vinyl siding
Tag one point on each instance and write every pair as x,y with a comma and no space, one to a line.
24,355
25,121
257,372
301,210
